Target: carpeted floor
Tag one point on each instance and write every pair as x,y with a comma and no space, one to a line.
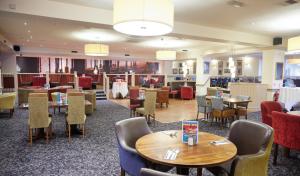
96,154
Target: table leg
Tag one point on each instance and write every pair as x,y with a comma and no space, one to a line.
199,171
182,171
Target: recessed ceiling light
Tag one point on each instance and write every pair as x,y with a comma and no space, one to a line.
31,37
97,35
253,23
28,31
25,23
27,40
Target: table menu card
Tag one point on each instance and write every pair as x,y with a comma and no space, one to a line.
190,129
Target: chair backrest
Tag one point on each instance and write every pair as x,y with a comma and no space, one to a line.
254,143
76,108
7,101
249,137
166,88
150,172
201,101
128,131
226,95
286,129
212,91
134,93
150,102
162,96
38,110
266,110
217,103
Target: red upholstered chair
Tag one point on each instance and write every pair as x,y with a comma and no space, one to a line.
186,92
39,81
171,92
286,131
267,107
134,93
85,82
134,102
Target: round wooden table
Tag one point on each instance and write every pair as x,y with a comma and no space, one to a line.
154,146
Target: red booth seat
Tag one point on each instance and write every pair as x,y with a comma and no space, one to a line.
186,92
39,81
85,82
267,107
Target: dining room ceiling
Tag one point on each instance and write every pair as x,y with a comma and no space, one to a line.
65,35
268,17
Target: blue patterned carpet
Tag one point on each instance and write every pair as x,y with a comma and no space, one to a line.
96,154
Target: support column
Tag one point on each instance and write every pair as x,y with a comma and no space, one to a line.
270,59
132,79
126,77
104,77
76,81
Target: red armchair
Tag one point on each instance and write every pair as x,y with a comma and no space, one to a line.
267,107
85,82
134,93
286,131
186,92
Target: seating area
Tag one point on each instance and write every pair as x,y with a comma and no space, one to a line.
149,88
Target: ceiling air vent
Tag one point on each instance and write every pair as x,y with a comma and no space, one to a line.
127,54
235,3
74,51
291,2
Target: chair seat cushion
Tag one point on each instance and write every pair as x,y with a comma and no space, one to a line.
140,110
228,112
241,111
174,92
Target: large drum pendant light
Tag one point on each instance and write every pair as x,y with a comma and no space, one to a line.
294,45
96,50
166,55
143,17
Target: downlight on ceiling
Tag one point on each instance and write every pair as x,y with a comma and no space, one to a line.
236,3
143,17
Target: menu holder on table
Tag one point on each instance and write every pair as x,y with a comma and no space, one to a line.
190,132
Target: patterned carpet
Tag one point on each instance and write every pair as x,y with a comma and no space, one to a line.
96,154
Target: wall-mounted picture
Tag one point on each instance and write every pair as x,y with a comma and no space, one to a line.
180,71
226,70
206,68
175,71
279,71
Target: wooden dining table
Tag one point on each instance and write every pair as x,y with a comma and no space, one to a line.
231,100
153,147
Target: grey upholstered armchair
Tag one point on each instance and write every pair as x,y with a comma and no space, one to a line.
254,143
128,131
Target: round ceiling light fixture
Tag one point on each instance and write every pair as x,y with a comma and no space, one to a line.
96,50
143,17
294,45
166,55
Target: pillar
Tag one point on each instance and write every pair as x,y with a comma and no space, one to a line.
104,76
126,77
270,58
132,79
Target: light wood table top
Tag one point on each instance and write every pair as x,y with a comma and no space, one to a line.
231,100
154,146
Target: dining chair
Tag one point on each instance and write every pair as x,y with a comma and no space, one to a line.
172,92
254,144
149,106
242,108
134,103
220,112
287,132
39,114
151,172
7,102
162,97
186,93
128,131
203,106
267,107
91,97
76,112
